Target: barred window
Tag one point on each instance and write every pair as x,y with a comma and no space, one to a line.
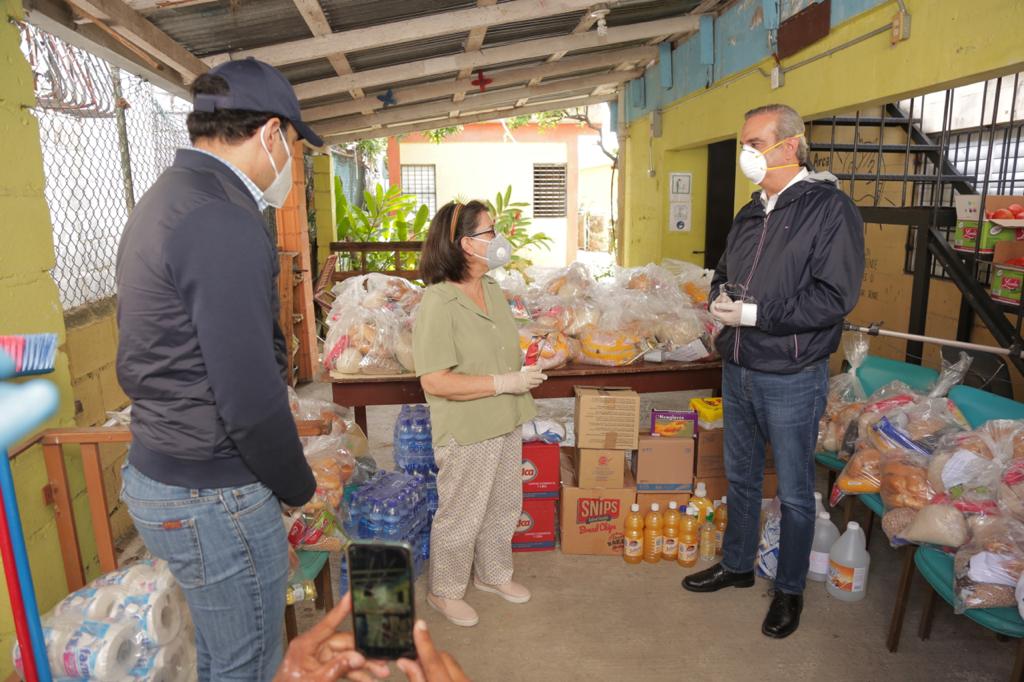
549,190
418,180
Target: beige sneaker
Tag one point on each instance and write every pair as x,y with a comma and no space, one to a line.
456,611
510,591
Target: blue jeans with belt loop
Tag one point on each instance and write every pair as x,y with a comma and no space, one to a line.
228,549
783,409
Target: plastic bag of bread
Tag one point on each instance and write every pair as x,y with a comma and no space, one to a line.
569,283
987,568
919,427
547,349
939,523
889,397
862,474
951,375
904,480
353,440
363,341
843,390
611,347
681,328
694,282
332,466
650,279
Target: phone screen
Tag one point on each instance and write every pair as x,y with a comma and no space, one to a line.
381,582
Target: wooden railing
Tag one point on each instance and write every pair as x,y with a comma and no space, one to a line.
57,491
358,251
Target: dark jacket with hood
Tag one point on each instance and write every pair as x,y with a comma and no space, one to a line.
802,264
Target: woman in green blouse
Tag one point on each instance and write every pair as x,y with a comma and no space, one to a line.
467,355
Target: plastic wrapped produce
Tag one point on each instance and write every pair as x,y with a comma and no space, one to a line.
937,524
650,279
904,480
862,474
570,283
547,349
344,432
988,567
844,391
694,282
1011,490
889,397
895,521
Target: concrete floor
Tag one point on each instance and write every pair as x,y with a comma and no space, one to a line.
598,618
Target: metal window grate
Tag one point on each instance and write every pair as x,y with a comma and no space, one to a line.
106,136
549,190
420,181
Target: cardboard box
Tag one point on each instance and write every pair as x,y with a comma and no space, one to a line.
607,418
673,424
593,520
645,500
541,474
536,529
664,465
600,468
992,232
1007,279
718,487
711,454
567,466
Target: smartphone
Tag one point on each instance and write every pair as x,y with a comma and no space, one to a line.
380,577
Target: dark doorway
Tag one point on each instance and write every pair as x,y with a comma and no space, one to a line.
721,197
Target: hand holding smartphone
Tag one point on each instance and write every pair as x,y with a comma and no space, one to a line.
381,581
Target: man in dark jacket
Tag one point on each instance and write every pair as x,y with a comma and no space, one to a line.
214,445
792,270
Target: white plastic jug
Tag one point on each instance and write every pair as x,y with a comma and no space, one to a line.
848,565
825,535
819,507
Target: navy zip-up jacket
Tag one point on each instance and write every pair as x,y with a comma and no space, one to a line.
803,264
199,348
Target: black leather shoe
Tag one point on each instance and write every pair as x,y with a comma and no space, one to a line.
783,615
715,578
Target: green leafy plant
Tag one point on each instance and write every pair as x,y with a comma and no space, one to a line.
510,222
387,215
438,135
544,120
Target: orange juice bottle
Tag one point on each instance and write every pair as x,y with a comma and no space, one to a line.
633,549
721,521
670,533
652,535
700,500
707,540
689,537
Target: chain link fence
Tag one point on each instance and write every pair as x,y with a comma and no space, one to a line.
106,136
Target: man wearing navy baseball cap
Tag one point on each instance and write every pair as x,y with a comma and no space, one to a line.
214,444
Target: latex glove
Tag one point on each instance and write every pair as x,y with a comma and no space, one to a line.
518,382
734,313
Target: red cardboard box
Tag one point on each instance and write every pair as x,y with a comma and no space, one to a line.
536,529
541,472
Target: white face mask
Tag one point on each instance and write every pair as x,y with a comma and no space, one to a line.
754,164
277,193
499,252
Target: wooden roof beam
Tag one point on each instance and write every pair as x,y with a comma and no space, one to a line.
528,49
584,25
142,33
408,30
313,14
502,78
474,42
474,102
574,101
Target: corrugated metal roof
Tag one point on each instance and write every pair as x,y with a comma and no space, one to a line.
211,28
346,15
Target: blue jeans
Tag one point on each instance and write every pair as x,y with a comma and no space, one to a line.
783,409
228,549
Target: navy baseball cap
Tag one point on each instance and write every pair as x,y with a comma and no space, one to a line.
256,86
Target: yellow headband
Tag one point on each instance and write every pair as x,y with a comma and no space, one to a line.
455,220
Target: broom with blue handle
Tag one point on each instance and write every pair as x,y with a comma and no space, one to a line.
23,407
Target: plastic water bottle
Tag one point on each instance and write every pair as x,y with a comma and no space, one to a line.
392,520
421,451
376,520
825,535
849,562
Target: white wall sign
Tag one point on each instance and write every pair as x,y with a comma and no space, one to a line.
679,216
679,186
680,201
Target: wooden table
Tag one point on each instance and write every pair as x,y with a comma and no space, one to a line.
358,391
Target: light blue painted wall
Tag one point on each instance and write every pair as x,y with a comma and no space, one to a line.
741,41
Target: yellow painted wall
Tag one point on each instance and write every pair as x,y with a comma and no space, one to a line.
29,303
942,52
323,205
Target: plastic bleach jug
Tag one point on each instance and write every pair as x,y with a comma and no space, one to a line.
848,563
825,535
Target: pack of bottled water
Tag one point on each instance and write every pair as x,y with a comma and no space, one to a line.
414,449
393,506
